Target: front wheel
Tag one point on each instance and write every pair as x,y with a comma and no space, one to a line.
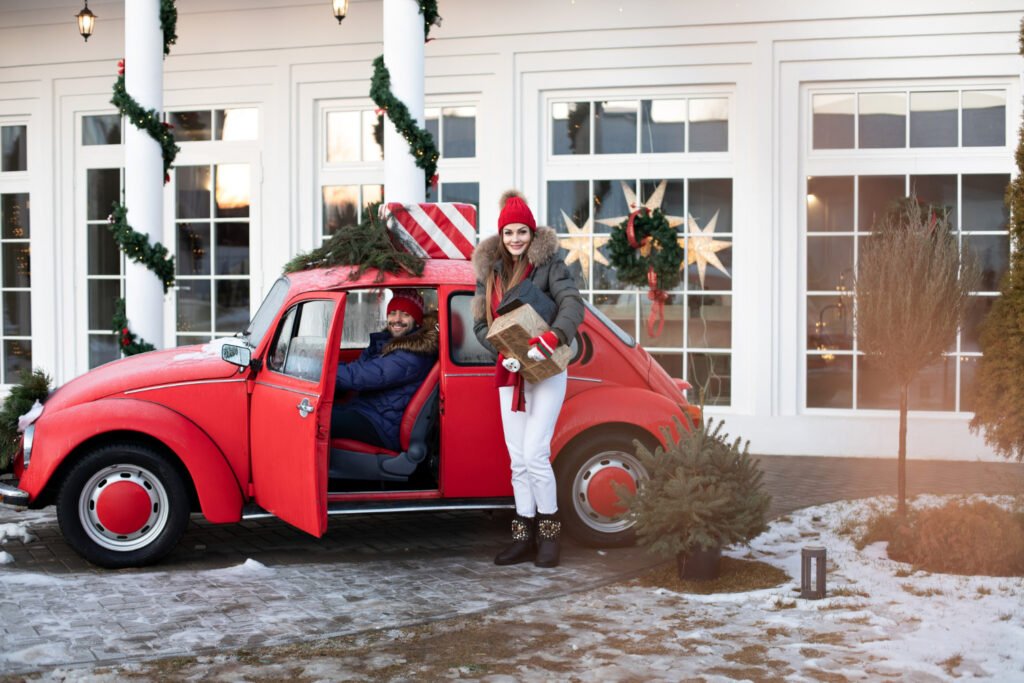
123,505
588,499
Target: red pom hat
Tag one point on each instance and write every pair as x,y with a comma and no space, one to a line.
408,301
515,210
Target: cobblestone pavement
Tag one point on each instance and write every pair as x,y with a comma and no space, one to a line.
368,572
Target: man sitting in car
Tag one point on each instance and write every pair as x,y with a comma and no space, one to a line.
386,374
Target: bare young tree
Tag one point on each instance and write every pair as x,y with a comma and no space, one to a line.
912,284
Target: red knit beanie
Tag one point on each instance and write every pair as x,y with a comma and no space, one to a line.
515,210
408,301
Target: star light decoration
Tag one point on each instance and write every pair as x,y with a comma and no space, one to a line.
578,244
653,202
701,247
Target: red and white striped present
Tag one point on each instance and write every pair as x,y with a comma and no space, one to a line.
444,230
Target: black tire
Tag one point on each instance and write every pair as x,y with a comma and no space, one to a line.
591,522
140,522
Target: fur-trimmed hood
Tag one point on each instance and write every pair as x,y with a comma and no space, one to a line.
487,255
424,340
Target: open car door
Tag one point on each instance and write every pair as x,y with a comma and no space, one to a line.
290,412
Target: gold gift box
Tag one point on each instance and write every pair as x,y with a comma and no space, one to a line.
511,334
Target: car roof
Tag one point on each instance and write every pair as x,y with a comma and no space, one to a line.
435,272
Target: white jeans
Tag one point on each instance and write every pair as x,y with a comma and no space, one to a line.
528,438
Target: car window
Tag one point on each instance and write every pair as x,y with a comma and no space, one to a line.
365,313
301,340
464,348
623,336
265,315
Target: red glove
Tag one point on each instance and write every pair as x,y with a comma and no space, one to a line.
543,346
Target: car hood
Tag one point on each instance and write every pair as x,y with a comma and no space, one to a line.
155,368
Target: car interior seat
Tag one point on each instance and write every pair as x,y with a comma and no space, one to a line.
351,459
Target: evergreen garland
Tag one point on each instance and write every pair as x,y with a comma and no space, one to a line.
34,386
998,400
168,24
147,120
136,246
420,141
702,492
127,341
365,245
656,249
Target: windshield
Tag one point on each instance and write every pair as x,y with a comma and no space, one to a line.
623,336
265,316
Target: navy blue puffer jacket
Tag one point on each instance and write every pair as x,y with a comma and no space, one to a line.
386,376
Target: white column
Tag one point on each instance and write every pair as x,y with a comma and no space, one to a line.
403,57
144,169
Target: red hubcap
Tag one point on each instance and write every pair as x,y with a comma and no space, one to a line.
601,494
123,507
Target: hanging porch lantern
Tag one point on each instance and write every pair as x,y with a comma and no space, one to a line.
86,21
340,9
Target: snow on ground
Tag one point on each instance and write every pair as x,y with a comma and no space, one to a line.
880,620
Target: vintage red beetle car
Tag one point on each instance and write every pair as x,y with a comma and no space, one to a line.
241,426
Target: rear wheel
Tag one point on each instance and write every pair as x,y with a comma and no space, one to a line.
588,501
123,505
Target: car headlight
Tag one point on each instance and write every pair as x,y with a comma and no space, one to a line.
26,443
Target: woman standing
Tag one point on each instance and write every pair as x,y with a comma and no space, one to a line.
522,251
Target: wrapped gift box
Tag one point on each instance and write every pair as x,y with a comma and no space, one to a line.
445,230
511,334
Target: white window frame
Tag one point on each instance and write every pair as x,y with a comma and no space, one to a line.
906,161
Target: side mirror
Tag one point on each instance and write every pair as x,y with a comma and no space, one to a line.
236,355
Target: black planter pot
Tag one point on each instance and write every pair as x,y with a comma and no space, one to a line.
699,564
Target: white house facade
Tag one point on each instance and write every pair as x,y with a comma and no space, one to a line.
780,130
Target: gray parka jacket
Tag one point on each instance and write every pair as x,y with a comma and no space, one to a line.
550,275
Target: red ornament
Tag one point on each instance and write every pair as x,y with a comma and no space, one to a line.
120,68
433,180
167,178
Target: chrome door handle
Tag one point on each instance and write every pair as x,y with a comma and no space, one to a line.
305,407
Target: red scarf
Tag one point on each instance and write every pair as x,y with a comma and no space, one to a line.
502,377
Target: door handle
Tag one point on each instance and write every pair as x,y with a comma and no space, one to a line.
305,407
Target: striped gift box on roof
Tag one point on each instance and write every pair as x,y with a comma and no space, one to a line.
443,230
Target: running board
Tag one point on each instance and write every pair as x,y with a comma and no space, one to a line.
381,506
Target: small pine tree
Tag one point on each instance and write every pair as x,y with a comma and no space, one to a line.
999,384
34,386
911,292
702,492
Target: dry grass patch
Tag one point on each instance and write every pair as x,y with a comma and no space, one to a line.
846,592
920,592
734,576
951,664
827,638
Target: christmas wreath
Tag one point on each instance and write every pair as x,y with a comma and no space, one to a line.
645,252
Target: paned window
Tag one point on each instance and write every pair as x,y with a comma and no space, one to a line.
101,129
241,123
351,175
15,254
104,263
212,229
642,126
947,117
13,149
585,201
16,281
841,213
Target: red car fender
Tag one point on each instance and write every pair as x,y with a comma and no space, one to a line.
220,495
641,407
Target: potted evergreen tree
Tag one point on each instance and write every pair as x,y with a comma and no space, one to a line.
703,493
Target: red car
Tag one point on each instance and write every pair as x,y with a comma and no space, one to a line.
241,426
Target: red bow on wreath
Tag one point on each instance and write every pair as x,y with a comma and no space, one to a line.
658,297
